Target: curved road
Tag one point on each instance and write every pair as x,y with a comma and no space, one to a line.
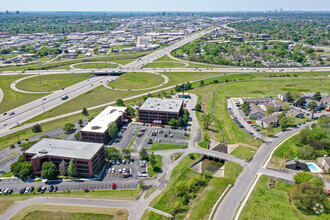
1,95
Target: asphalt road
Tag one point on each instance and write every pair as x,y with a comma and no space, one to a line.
232,200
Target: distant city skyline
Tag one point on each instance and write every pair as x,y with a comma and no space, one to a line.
169,5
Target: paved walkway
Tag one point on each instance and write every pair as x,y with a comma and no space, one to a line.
1,95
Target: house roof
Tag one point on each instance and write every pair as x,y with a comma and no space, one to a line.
255,109
64,148
270,119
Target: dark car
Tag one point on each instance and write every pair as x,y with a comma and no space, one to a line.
51,188
55,189
149,141
10,191
39,189
22,191
5,113
31,189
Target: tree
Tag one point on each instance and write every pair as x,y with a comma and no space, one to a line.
289,97
177,88
312,105
143,154
173,122
85,111
207,120
120,102
26,170
188,86
317,181
301,102
131,111
68,127
80,122
270,110
198,107
202,83
112,153
317,96
36,128
63,168
181,122
285,107
72,171
245,107
113,130
185,119
302,177
126,153
49,171
152,159
286,121
269,129
77,135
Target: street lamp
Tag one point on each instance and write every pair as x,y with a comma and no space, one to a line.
39,73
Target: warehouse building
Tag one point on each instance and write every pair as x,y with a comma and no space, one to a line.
88,157
97,130
160,110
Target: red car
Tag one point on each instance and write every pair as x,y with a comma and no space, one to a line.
251,133
249,122
328,110
114,186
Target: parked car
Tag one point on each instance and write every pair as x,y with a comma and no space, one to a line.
31,189
22,191
55,189
43,189
39,189
113,185
149,141
51,188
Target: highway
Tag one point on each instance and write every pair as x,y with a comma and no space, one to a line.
36,107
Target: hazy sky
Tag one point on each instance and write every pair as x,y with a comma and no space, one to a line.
163,5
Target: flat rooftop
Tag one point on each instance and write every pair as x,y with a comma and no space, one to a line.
162,104
64,148
100,123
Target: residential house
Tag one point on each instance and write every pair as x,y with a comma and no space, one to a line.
324,163
296,164
320,104
281,97
276,105
255,100
256,112
295,113
265,122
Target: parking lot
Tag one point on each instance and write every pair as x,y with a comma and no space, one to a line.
174,136
240,119
7,153
115,171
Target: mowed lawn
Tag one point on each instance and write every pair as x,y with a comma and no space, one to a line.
11,98
137,81
57,212
243,152
164,146
153,171
51,82
95,65
164,64
122,194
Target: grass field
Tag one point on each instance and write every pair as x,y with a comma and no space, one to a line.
273,203
58,212
243,152
149,215
149,192
51,82
289,147
95,65
268,86
154,171
201,206
13,99
8,56
123,194
163,64
137,81
164,146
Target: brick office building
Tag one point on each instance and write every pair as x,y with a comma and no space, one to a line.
97,130
88,157
160,110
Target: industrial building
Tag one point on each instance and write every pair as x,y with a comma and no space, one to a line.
97,129
88,157
160,110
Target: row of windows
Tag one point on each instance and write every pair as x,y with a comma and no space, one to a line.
82,167
83,171
82,162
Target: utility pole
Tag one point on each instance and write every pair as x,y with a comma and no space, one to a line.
39,73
